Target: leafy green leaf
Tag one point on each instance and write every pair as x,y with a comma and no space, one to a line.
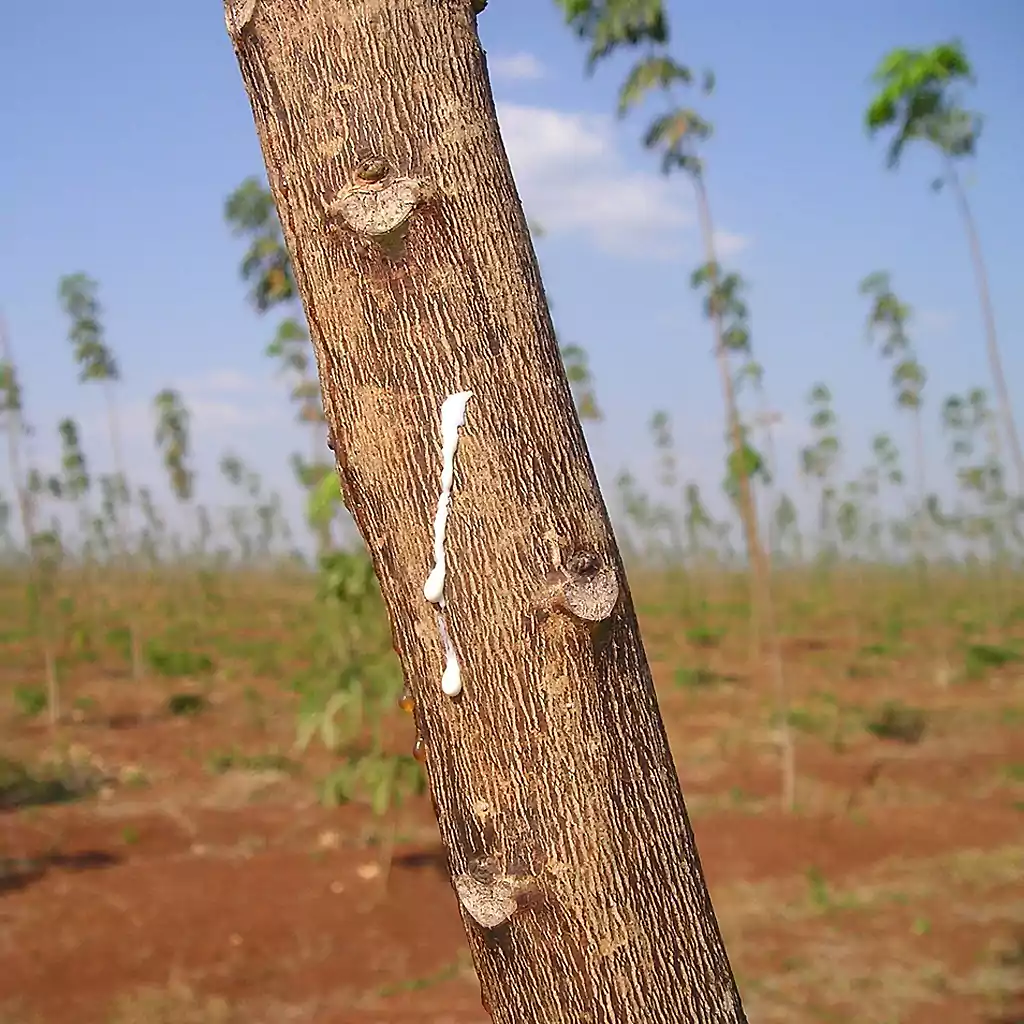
655,72
609,25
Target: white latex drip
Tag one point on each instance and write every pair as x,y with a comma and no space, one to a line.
453,416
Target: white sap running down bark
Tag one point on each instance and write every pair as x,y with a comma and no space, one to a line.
453,416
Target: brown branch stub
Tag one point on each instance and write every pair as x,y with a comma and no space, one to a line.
583,585
490,895
237,15
378,202
479,5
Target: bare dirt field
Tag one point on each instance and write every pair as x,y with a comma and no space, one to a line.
159,867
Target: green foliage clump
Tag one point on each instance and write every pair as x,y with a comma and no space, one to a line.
176,664
979,659
186,704
354,680
896,721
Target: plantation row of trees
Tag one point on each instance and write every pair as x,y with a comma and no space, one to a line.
917,100
70,513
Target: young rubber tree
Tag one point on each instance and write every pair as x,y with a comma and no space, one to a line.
819,462
887,325
266,268
677,135
12,422
917,101
984,514
172,437
556,796
97,363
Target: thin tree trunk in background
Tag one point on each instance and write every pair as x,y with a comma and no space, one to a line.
988,316
122,527
921,522
762,604
748,509
15,428
1001,584
554,787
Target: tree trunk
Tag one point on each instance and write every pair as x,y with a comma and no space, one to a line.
920,522
761,600
13,423
988,316
553,784
122,527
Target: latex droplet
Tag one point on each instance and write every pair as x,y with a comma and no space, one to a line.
405,702
419,750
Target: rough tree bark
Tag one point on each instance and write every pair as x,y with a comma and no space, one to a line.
556,796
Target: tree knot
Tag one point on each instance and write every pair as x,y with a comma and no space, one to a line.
377,203
583,586
492,894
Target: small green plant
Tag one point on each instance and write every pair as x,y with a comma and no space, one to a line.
235,760
705,636
384,781
30,700
822,896
186,704
896,721
806,721
876,650
352,669
861,670
56,783
980,658
894,628
176,664
85,705
80,644
696,678
818,889
1012,716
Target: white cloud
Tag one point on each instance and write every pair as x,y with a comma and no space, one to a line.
516,67
573,180
228,398
209,414
221,380
729,243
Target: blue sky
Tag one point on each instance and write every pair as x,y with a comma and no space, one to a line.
126,126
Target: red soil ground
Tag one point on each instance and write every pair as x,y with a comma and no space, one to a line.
894,893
